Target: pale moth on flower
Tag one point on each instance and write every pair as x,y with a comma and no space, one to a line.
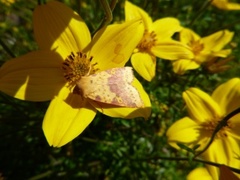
112,86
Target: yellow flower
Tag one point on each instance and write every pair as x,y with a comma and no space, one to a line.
8,2
203,48
156,42
205,112
202,173
226,5
64,41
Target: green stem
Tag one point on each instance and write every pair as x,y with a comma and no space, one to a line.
108,13
194,159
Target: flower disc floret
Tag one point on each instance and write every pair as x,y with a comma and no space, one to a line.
148,41
75,66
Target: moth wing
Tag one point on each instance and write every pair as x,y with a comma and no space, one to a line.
112,86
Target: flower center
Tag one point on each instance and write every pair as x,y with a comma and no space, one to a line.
147,42
211,125
75,66
197,47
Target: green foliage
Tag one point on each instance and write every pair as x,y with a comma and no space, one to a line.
109,148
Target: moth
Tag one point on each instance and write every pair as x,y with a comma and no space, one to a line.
112,86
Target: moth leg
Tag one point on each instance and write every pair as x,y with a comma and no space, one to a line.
78,91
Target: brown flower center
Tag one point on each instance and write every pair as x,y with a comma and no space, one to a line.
75,66
196,46
147,42
210,127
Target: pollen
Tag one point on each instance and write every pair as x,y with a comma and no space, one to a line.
148,41
76,66
197,47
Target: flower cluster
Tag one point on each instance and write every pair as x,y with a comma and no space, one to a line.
83,74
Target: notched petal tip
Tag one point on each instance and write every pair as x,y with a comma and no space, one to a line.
62,123
182,65
133,12
144,64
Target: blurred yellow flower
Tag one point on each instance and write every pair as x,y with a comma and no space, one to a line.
205,112
66,54
202,173
203,48
7,2
156,42
226,5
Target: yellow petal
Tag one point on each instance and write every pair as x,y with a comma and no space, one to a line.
144,64
187,36
112,46
201,106
222,151
60,29
225,5
66,119
232,6
134,12
235,124
182,65
183,131
172,50
127,113
227,95
36,76
164,28
222,53
217,41
199,173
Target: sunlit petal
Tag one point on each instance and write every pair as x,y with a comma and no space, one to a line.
113,46
199,173
201,107
134,12
227,95
235,124
218,40
225,5
164,28
222,53
222,151
60,29
36,76
185,131
187,36
172,50
182,65
66,119
127,113
232,6
144,64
